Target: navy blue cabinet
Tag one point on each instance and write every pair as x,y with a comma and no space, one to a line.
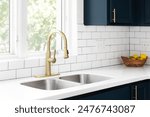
95,12
116,93
134,91
147,12
108,12
140,90
148,85
121,12
117,12
142,13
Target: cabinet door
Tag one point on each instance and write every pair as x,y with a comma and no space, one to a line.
95,12
116,93
121,12
142,12
148,85
147,12
140,90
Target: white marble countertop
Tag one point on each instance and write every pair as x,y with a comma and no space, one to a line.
119,75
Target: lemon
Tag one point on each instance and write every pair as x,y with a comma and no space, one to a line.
135,56
143,56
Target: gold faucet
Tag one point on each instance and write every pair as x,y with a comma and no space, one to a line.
49,60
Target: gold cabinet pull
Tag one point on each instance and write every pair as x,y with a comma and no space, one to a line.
114,15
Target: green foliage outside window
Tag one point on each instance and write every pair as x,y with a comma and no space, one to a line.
41,20
4,26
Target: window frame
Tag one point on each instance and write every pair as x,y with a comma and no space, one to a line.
18,30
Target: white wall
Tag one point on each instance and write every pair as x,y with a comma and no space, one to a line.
98,46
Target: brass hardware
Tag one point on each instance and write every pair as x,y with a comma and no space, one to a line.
50,60
44,76
114,15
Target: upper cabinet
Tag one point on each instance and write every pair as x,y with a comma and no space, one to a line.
108,12
117,12
120,12
142,12
147,12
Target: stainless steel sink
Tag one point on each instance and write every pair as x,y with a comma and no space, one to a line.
85,78
65,81
50,84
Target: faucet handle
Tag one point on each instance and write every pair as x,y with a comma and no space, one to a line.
66,54
54,57
53,60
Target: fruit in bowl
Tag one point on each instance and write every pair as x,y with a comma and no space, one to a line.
136,57
135,60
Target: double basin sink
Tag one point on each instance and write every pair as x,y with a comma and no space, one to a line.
65,81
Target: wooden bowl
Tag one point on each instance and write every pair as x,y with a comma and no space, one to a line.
133,63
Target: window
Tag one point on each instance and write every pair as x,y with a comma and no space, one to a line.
26,24
4,27
41,18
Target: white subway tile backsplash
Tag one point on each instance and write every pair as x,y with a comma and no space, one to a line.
79,51
91,28
32,63
105,62
110,28
81,58
3,65
60,60
91,57
96,64
71,59
115,61
97,46
106,35
55,68
64,68
16,64
81,43
109,55
42,61
38,71
147,35
101,56
96,35
79,35
145,29
81,27
125,53
91,43
132,47
134,28
86,65
101,28
87,50
140,34
76,66
86,35
7,75
22,73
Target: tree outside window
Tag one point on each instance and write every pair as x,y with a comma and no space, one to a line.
4,26
41,17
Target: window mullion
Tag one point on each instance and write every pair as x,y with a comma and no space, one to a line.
22,28
13,26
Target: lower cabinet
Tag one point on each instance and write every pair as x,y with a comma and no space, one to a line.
140,90
134,91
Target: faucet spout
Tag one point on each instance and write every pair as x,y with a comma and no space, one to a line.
50,60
